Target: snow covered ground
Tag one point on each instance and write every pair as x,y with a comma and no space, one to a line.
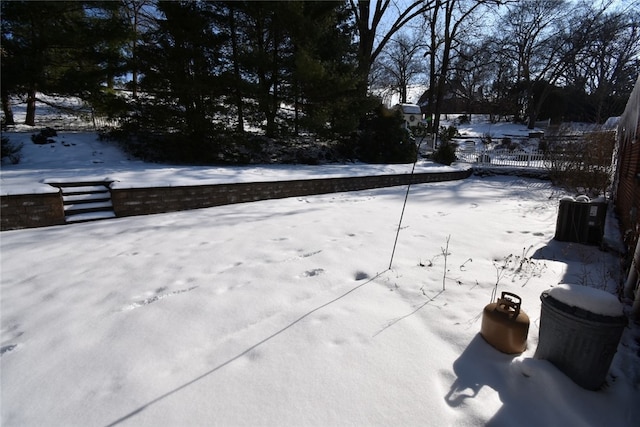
81,156
291,312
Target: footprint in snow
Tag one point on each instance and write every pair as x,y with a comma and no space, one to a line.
361,275
314,272
308,254
151,300
7,348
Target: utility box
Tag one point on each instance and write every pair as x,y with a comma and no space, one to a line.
581,221
580,329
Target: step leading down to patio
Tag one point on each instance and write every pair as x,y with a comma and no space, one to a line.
86,201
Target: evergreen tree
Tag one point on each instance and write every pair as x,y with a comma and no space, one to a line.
266,56
31,37
180,62
65,47
324,78
297,53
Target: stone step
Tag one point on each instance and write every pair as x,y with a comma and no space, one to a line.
88,207
69,190
89,216
86,197
85,201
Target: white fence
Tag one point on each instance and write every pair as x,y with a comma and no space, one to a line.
504,157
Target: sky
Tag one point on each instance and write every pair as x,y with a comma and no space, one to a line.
292,312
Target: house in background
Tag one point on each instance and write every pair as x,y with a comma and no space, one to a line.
626,192
412,115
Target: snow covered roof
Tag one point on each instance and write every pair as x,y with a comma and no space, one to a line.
410,108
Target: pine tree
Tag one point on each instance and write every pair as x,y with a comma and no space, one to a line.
180,62
324,73
65,47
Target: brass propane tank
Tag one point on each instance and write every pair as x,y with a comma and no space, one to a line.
504,325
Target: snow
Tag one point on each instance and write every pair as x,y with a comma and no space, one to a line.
291,312
592,300
391,97
479,127
79,156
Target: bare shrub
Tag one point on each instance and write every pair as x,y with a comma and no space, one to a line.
581,163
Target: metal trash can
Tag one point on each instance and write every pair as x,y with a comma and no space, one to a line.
580,328
581,220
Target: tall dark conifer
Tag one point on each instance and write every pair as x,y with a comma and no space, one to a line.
63,47
180,62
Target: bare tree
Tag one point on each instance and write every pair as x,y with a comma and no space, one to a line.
609,59
446,23
472,73
544,38
399,65
368,20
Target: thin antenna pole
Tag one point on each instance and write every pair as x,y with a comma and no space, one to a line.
404,205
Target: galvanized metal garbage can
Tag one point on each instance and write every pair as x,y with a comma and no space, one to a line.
580,329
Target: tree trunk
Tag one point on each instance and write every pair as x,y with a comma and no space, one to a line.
6,109
365,47
272,126
134,53
296,108
444,67
533,109
531,123
30,119
236,71
271,130
432,71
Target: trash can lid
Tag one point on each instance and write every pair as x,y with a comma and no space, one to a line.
584,301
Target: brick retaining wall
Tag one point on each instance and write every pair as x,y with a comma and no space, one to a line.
142,201
31,210
40,210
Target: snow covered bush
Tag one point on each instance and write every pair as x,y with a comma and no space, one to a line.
446,152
